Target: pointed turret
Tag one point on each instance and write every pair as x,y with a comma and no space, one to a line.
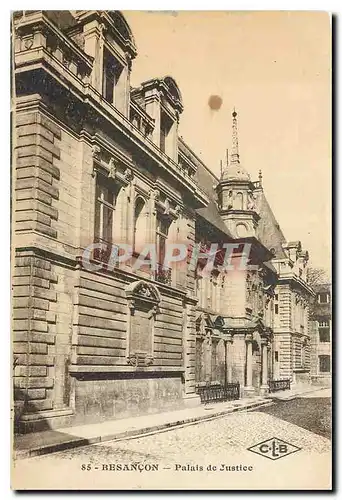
233,169
235,191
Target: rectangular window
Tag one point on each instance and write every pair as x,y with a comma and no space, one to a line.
163,224
165,127
324,363
324,334
276,308
323,298
104,211
111,74
276,356
108,76
162,274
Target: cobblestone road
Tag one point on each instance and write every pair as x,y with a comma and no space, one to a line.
231,435
311,411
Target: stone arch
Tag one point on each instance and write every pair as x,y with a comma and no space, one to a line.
238,201
173,89
123,29
144,291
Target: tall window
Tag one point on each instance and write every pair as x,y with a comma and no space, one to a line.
104,211
324,363
165,127
163,225
324,331
138,227
111,73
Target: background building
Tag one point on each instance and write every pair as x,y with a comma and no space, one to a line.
96,161
320,333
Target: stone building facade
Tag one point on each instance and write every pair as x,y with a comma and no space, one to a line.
321,335
99,163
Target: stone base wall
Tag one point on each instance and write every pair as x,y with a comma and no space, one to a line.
126,395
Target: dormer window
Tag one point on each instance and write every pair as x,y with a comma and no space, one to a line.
165,127
323,298
111,74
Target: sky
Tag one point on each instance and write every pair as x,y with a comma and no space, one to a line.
275,68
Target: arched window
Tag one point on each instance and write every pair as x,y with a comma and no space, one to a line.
239,201
139,224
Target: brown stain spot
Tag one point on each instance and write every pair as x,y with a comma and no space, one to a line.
215,102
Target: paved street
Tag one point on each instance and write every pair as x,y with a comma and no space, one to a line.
232,434
311,411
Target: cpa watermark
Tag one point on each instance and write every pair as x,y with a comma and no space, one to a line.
221,257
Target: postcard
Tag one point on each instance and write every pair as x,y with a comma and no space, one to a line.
171,250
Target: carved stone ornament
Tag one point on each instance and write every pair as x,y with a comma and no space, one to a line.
167,207
251,202
178,210
249,337
140,359
143,291
155,194
128,61
264,341
28,43
129,176
96,152
66,60
112,168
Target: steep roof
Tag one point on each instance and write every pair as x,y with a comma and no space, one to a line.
322,287
268,231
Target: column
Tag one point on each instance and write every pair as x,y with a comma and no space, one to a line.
249,361
229,360
264,360
207,356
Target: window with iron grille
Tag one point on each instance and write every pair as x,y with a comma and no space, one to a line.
324,331
105,199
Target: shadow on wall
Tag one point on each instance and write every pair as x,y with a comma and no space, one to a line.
20,405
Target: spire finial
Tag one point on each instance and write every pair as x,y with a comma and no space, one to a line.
260,177
234,157
221,169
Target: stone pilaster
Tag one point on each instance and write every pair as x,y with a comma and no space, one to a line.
229,357
264,367
189,342
249,389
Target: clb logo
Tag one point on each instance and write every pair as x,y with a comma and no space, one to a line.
274,448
